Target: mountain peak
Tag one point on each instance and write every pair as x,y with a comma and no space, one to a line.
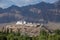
57,3
43,2
13,6
0,8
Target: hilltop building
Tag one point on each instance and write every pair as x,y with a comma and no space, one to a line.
20,22
31,29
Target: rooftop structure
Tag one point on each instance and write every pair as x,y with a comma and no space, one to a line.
20,22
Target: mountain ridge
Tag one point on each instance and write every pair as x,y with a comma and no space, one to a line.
31,13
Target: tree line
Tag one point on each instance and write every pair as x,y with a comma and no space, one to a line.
42,36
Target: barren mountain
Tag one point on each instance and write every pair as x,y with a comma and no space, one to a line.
41,12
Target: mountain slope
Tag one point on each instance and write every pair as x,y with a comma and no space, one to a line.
41,12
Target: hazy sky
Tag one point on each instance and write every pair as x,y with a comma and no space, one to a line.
7,3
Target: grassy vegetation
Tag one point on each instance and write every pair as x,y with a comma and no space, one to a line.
42,36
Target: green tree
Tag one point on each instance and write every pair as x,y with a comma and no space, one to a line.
51,37
43,35
57,32
10,36
3,37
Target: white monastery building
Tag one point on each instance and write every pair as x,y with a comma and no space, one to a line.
20,22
